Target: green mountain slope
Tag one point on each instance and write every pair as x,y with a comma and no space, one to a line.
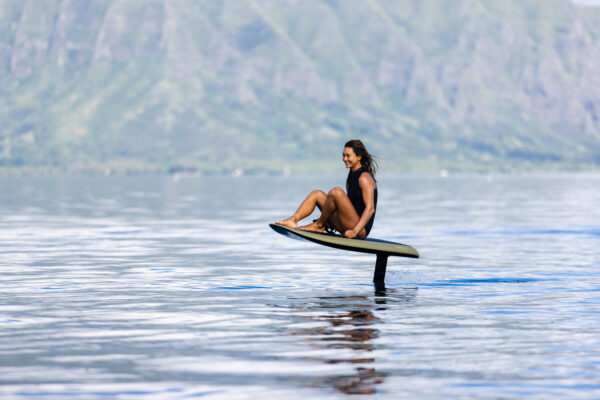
258,84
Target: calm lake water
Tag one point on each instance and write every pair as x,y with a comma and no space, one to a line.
156,288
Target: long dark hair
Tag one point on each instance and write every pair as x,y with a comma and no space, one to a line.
367,160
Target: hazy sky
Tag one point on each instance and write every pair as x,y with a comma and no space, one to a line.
593,3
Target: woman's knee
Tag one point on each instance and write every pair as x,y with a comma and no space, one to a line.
318,194
336,191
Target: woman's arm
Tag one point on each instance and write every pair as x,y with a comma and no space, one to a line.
367,185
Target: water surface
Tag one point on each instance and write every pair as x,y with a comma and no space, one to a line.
162,288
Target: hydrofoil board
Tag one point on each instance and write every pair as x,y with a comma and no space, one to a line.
382,248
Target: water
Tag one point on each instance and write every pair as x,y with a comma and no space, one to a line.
157,288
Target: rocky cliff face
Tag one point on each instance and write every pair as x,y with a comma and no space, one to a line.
428,83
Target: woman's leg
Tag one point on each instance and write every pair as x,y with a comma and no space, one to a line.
316,198
338,212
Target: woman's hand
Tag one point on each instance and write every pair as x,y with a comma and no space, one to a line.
350,233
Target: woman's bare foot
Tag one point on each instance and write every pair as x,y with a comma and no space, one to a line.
289,222
314,227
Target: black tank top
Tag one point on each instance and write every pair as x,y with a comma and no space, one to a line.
356,196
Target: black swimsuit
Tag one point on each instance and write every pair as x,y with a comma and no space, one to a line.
356,196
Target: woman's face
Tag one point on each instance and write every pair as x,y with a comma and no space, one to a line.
350,158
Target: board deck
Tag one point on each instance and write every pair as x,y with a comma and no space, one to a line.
372,246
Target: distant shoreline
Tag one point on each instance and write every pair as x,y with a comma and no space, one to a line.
305,168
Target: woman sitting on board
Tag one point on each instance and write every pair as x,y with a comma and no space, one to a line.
350,214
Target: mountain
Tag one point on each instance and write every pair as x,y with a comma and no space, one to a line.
203,85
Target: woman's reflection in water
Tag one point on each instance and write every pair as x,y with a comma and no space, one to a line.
352,325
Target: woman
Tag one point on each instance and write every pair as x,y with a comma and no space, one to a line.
351,214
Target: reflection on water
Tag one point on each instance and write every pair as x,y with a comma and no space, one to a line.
351,325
